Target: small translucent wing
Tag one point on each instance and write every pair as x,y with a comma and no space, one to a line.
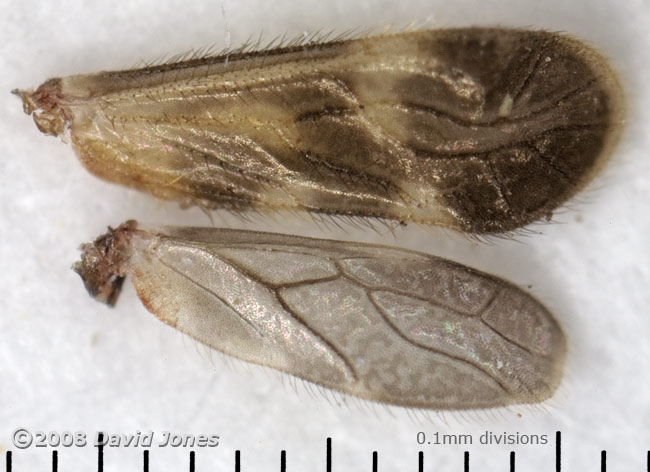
380,323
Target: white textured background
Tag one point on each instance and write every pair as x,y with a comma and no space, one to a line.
68,363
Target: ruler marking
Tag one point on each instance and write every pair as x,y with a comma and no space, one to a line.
192,461
603,461
328,455
558,451
283,461
100,452
145,460
237,461
512,461
375,459
55,461
466,462
8,461
421,461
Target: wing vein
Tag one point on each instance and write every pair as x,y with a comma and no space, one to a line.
437,351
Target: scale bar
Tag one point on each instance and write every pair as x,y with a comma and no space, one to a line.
328,458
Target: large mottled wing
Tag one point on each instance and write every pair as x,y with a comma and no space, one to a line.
380,323
483,130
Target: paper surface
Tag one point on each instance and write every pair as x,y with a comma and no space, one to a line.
68,363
